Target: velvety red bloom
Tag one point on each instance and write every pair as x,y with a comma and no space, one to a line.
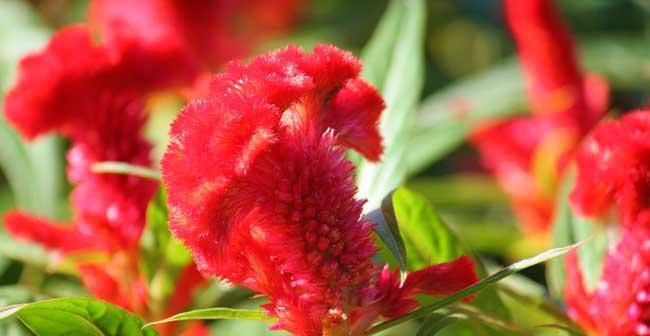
261,192
94,98
527,154
620,304
614,169
202,34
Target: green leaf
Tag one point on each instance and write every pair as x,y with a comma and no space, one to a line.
76,316
428,239
446,117
218,314
503,273
568,228
387,228
400,56
592,255
163,257
562,235
376,64
37,187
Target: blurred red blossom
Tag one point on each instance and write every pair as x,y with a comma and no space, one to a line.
201,35
529,154
620,304
261,192
93,94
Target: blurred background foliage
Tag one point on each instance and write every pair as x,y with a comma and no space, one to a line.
470,75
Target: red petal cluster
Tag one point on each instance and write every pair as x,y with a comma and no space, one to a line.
620,305
93,97
528,153
614,171
261,192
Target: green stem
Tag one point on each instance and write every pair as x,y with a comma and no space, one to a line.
114,167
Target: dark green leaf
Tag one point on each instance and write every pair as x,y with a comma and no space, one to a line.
387,228
218,314
401,89
76,316
503,273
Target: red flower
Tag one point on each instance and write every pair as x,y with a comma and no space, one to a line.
260,191
93,95
529,153
620,304
614,168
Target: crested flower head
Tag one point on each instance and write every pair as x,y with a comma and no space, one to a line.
528,154
614,169
261,192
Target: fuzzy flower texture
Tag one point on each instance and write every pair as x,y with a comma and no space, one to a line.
614,177
261,192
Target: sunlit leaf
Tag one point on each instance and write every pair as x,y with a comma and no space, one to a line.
218,314
401,89
76,316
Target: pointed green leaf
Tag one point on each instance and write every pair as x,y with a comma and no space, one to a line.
387,228
218,314
401,88
76,316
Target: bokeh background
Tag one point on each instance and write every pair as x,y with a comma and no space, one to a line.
469,53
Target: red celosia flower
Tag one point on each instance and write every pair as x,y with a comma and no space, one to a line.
528,153
614,168
260,190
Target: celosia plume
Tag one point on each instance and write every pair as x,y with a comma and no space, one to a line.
261,192
528,154
93,94
613,174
